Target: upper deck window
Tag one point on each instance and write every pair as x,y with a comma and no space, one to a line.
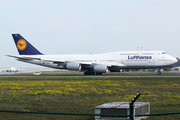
164,53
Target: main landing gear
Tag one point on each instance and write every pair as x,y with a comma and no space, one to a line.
91,73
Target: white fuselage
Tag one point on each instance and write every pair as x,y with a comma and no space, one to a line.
114,60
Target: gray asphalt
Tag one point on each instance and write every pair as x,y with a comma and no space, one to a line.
141,75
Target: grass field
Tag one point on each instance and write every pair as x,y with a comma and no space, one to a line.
82,94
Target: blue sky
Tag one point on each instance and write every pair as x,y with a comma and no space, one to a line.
89,26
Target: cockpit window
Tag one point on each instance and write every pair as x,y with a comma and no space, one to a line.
164,53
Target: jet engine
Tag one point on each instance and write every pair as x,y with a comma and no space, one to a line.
101,68
73,66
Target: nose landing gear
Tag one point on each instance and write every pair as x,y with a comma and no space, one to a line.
159,72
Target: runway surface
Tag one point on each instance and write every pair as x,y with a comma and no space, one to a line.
50,73
105,75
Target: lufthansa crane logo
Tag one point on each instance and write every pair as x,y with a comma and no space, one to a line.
21,44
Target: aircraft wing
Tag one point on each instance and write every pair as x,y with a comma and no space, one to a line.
59,62
23,57
85,65
36,58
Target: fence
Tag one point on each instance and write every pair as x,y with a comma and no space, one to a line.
78,109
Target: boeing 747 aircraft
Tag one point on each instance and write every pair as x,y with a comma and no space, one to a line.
93,64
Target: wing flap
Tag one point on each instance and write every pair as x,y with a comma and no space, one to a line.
118,65
54,61
86,63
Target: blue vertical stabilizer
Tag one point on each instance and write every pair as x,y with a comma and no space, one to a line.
24,47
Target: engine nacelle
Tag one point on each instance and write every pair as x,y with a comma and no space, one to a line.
73,66
101,68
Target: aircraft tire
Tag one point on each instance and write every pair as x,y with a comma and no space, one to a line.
159,72
98,73
85,73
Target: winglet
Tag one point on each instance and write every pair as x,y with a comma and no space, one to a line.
24,47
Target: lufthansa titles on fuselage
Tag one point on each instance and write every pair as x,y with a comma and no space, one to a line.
139,57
